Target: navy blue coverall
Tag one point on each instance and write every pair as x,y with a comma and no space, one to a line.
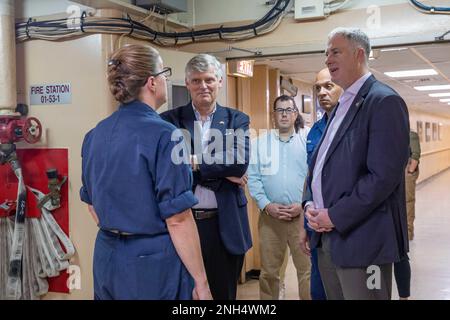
134,185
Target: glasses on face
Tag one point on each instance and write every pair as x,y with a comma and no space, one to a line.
166,72
287,110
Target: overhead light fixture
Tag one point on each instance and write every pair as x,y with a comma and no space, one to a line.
433,88
444,100
393,49
411,73
439,95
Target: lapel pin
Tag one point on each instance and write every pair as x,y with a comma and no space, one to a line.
359,102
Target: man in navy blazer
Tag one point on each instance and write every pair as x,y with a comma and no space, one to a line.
220,157
355,192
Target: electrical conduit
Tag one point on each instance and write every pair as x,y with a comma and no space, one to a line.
8,91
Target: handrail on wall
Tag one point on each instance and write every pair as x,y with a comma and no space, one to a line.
434,151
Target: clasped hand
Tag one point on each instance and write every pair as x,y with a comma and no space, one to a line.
284,212
242,181
318,219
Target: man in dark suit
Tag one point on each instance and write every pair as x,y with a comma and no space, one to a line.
219,157
355,193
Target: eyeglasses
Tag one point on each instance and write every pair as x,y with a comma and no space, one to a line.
287,110
166,72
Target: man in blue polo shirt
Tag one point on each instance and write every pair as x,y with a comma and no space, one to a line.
328,94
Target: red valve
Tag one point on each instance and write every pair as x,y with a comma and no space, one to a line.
13,129
32,130
8,128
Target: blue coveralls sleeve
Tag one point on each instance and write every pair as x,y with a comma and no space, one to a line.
173,180
312,140
84,194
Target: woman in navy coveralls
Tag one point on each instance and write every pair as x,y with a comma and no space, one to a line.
148,245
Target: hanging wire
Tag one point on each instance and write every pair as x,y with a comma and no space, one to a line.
150,15
442,37
61,29
430,9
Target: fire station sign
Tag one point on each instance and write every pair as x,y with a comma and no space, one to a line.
51,94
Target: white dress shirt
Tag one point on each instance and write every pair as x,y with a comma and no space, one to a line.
206,198
345,101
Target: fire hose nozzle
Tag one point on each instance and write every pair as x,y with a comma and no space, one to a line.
54,186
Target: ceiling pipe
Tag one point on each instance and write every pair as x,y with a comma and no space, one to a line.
8,90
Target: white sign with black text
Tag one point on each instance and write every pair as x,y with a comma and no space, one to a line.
51,94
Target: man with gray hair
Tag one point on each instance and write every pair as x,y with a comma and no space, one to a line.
355,193
221,214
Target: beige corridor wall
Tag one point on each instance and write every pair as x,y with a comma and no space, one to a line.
305,89
435,155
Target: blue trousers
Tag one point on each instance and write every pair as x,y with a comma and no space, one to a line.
402,273
317,290
139,268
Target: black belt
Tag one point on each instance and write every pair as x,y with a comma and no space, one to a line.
121,234
200,214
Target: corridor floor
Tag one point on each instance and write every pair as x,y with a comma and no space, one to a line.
429,251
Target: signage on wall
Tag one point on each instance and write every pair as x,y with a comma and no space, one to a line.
241,68
60,93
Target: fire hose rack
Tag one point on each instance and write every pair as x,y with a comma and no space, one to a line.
34,246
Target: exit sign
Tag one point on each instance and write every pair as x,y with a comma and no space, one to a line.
241,68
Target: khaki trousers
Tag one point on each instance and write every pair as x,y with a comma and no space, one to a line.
274,237
410,186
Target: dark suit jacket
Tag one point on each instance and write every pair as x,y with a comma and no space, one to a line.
363,180
231,200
